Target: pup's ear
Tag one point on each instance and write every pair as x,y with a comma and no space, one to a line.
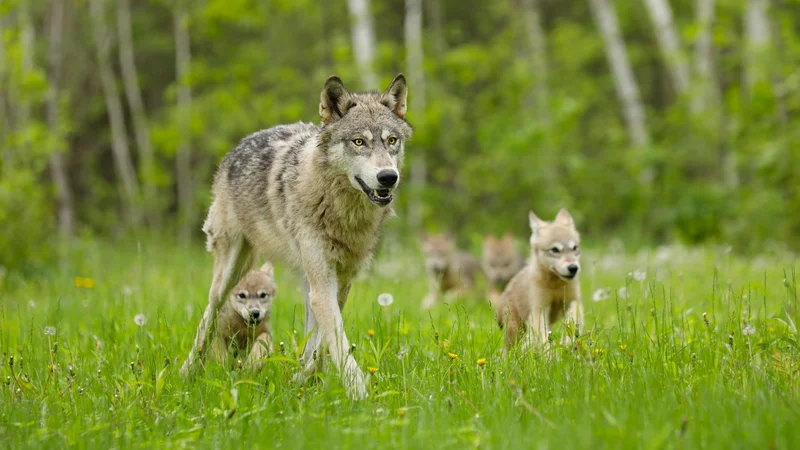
563,217
395,96
268,269
334,101
535,223
508,238
489,239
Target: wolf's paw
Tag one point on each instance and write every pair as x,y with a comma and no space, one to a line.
353,379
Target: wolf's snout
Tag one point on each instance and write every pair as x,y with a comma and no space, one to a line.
254,315
387,178
573,269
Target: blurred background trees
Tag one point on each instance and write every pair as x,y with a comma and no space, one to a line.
652,120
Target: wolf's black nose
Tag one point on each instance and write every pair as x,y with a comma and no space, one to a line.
387,178
573,269
254,314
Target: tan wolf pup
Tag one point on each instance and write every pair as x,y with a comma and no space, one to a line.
316,198
451,272
243,321
547,286
500,261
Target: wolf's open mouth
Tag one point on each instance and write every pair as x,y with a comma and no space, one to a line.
380,197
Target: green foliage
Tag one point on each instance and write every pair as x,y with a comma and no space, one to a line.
725,174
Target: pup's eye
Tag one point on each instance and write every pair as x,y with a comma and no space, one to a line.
358,142
392,140
555,250
263,295
575,249
242,295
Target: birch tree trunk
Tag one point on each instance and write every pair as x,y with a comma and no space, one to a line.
605,17
757,42
119,139
66,209
661,16
703,74
536,39
26,42
416,75
183,172
362,32
130,82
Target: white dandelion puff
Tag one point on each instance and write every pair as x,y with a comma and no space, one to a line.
31,304
127,291
140,319
385,299
49,330
622,292
749,330
601,294
639,275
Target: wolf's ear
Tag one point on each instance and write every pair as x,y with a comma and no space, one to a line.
535,223
563,217
508,238
489,238
334,101
395,96
268,269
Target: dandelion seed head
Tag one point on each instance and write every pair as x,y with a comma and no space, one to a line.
639,275
622,292
127,291
385,299
601,294
31,304
50,330
749,330
140,319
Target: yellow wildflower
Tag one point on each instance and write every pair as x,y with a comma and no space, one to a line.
372,369
371,332
402,412
482,362
452,355
623,347
83,282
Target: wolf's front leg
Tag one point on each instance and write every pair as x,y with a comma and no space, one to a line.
574,324
261,348
433,293
325,305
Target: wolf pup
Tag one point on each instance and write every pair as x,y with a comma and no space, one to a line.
450,271
548,285
500,262
244,318
316,198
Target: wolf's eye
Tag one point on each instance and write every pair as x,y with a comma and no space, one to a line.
242,295
392,140
358,142
262,295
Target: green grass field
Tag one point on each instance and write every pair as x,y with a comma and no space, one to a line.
650,372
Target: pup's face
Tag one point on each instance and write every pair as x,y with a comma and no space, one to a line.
500,260
556,244
438,250
252,296
365,136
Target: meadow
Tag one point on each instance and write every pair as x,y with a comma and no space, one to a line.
685,348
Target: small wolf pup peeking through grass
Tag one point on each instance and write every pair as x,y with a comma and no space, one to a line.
500,261
243,321
451,272
547,286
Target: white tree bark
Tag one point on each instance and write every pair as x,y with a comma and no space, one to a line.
416,78
119,139
757,42
362,32
661,16
183,160
605,17
703,72
536,39
66,209
130,82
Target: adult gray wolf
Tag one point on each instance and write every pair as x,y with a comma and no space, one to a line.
314,197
